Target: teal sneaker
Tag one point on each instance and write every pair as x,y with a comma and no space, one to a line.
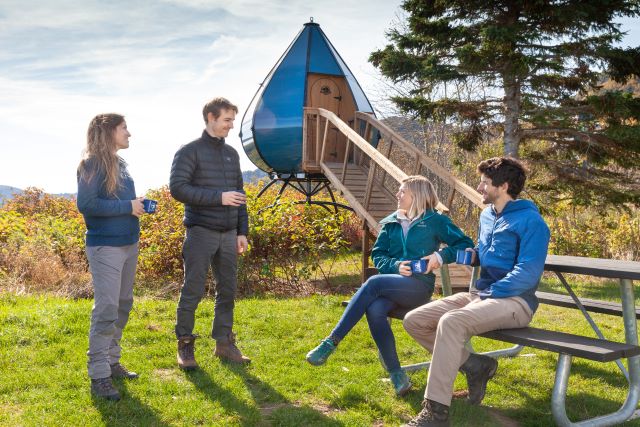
401,382
321,353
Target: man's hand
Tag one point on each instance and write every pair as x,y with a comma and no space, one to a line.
474,254
242,244
137,208
404,268
233,198
432,262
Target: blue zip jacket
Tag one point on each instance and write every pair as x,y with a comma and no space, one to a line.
512,247
423,238
108,217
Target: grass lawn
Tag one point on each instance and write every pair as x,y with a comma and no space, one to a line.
43,341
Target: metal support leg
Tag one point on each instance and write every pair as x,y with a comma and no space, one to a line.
587,316
563,368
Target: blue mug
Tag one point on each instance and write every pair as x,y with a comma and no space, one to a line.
149,205
464,257
418,266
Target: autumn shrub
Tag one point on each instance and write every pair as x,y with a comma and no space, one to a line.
288,241
41,243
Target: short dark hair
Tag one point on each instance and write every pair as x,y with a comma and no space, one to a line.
215,106
505,169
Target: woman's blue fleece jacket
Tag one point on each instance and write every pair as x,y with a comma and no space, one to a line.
512,247
108,216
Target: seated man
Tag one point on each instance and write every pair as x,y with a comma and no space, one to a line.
512,248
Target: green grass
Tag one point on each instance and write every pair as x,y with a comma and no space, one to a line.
43,382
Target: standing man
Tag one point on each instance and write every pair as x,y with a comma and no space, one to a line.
206,177
512,249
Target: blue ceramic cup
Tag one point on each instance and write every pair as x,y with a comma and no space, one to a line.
418,266
464,257
149,205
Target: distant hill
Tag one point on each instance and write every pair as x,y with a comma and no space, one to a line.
252,177
7,192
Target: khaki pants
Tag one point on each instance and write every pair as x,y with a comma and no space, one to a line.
444,326
113,269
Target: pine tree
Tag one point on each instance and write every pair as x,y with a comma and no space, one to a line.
542,65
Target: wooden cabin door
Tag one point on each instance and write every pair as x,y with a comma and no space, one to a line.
324,92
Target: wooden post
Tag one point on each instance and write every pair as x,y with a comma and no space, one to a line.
366,250
346,158
387,154
324,139
317,146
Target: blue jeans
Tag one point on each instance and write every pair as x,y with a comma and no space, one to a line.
377,297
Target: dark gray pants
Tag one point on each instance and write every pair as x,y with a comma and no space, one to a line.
113,269
203,248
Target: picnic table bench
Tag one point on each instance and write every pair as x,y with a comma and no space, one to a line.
569,345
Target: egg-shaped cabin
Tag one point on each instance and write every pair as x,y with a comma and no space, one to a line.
310,73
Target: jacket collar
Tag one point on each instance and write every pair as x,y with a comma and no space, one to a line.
211,139
394,217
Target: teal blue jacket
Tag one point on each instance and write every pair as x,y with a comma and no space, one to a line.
424,237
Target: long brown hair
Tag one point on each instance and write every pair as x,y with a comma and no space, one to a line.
101,146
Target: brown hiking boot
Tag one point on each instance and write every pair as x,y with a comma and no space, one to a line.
228,351
119,371
433,414
186,353
103,387
478,369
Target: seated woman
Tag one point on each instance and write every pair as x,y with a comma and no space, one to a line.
414,231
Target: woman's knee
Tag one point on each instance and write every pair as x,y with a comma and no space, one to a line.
377,313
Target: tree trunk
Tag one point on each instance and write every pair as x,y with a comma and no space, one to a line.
512,135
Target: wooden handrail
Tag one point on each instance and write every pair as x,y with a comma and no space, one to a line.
465,190
359,141
353,136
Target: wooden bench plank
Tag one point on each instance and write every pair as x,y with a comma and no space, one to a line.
596,306
560,342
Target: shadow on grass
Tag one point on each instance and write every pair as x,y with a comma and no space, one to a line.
247,415
128,411
277,410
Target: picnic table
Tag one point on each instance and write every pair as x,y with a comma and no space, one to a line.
625,272
569,345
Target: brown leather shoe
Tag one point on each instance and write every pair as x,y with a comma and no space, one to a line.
227,350
186,352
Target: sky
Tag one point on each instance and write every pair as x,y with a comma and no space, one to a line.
157,62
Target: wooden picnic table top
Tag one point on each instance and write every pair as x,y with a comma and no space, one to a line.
599,267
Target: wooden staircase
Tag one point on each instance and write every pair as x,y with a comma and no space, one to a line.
368,179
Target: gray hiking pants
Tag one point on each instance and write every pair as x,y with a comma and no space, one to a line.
113,269
204,248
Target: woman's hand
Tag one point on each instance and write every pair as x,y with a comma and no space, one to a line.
404,268
137,208
432,262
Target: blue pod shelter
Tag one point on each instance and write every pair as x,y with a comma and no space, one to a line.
310,73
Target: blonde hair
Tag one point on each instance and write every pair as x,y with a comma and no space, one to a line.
423,194
101,146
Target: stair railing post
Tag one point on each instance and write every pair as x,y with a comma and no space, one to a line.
346,158
324,139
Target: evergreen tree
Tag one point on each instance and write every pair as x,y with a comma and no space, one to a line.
542,64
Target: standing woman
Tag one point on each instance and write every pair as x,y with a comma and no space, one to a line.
413,232
107,200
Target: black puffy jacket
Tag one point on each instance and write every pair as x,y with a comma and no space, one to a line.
201,171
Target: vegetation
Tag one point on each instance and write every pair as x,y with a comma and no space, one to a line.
531,72
43,340
42,245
